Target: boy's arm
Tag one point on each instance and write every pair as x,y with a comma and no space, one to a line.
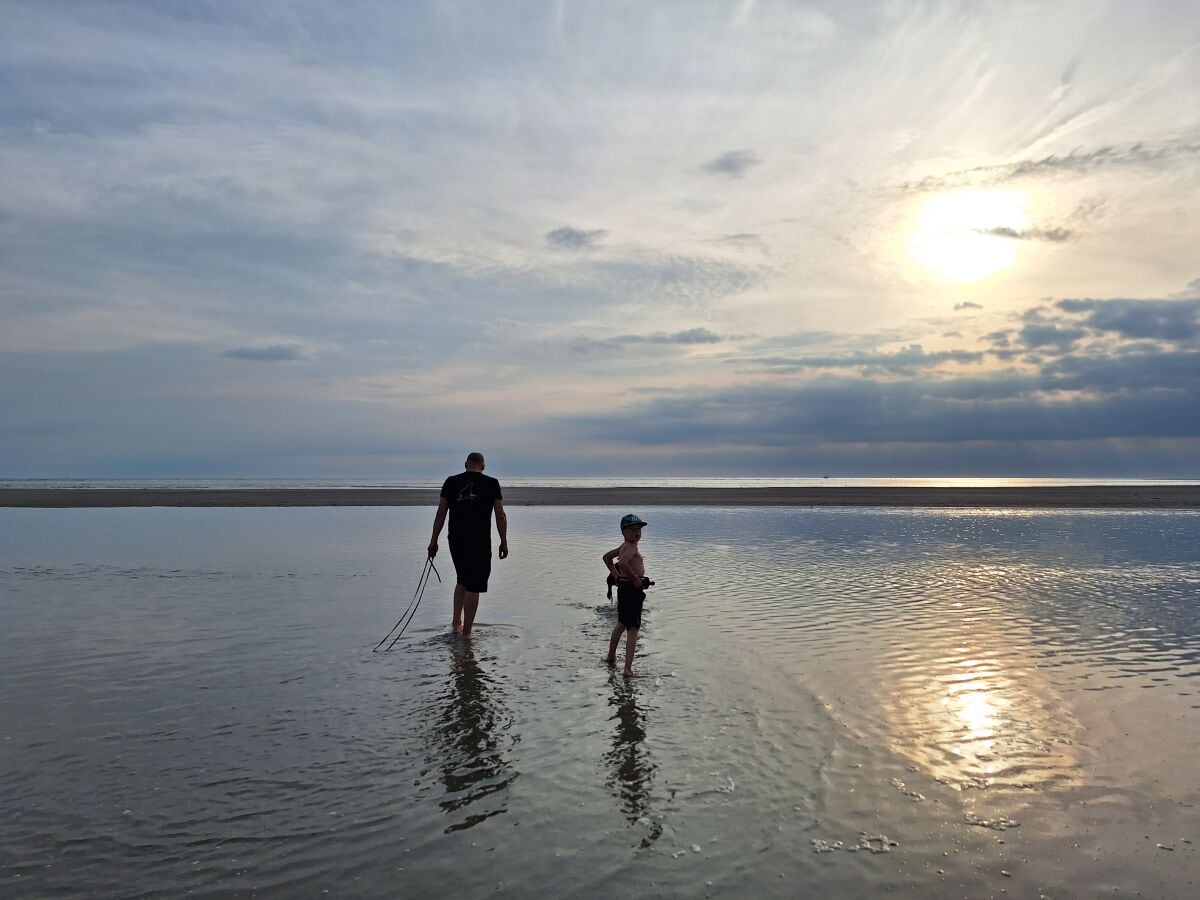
608,561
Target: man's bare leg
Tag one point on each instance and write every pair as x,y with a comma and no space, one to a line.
630,646
456,622
470,604
613,641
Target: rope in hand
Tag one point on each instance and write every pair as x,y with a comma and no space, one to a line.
415,602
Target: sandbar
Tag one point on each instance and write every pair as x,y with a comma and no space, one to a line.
1142,496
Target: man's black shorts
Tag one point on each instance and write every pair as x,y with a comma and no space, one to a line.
472,564
629,604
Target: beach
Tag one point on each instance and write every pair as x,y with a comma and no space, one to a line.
1142,496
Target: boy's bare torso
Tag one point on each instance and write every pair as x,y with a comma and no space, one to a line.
631,564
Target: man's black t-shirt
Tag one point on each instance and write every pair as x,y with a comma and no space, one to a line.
470,496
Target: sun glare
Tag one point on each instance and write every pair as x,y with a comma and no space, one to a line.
969,235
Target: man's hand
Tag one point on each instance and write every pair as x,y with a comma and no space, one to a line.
432,548
504,549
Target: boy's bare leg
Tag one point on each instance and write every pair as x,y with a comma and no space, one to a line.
470,603
613,641
630,646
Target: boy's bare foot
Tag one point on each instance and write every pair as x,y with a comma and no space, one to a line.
610,660
466,632
629,673
456,628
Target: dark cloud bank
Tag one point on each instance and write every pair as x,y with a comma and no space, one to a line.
1114,387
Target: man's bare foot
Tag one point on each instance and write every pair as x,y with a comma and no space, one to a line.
610,660
629,673
466,632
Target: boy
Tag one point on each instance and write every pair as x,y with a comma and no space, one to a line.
630,574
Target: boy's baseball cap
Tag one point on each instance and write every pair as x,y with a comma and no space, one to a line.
631,519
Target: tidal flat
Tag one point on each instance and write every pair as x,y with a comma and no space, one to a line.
842,702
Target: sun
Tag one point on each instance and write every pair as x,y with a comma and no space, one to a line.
969,235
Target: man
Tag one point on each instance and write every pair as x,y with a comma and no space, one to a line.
470,498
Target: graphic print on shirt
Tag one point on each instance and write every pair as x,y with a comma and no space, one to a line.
467,493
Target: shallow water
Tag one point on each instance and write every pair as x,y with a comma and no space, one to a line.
834,702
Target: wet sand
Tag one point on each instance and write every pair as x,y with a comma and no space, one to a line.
1059,497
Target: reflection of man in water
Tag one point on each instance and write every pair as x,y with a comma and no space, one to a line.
470,498
630,762
471,731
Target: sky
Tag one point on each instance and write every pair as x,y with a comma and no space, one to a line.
600,238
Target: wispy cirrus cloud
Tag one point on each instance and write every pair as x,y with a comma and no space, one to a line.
1052,235
1141,154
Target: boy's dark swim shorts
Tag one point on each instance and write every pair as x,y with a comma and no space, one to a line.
629,604
472,564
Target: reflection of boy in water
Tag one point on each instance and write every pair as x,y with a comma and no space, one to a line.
629,570
629,758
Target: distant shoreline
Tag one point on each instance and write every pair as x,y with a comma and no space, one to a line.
1149,496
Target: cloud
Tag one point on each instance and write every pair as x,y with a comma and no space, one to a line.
967,304
909,360
1103,399
999,338
273,353
1075,163
744,240
1168,320
568,238
733,164
689,337
1053,235
1150,371
1000,408
225,184
1036,335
